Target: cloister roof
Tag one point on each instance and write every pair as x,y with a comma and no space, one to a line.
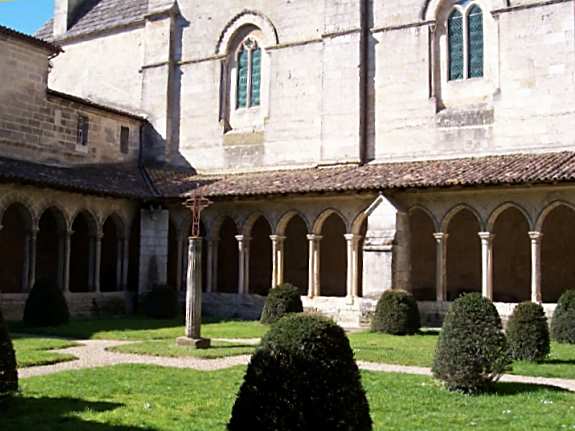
510,169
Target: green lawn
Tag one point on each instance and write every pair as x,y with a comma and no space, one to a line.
34,351
146,398
219,349
134,328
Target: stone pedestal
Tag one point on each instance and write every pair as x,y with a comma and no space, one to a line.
194,298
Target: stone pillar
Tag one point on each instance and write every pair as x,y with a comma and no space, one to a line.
32,257
97,262
66,263
352,266
212,264
277,260
487,264
194,297
314,261
244,264
125,261
536,267
441,266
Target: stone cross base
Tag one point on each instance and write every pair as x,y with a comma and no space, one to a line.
197,343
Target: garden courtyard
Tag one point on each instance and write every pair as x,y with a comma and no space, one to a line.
138,379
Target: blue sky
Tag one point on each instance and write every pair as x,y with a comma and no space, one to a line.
26,16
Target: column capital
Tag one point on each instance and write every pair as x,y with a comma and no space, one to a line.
243,238
486,236
535,236
440,236
278,238
314,237
69,232
352,237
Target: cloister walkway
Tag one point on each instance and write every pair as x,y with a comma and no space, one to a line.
95,353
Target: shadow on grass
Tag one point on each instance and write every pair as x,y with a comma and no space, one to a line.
506,388
557,362
38,414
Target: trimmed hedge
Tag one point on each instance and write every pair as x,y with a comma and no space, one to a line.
472,350
396,313
161,303
528,333
281,300
46,305
302,377
8,369
563,322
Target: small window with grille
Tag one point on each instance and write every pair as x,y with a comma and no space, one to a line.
124,139
82,132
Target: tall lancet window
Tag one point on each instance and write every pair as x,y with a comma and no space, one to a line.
455,40
475,42
249,61
465,41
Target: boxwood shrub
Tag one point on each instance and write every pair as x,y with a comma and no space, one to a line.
302,377
563,322
528,333
472,350
282,300
46,305
8,371
161,302
396,313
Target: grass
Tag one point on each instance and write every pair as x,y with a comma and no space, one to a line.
35,351
141,329
146,398
219,349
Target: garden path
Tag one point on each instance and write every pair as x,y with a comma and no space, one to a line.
94,353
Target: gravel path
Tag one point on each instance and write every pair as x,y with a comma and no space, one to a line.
93,354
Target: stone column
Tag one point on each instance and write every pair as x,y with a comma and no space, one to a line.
536,238
125,261
441,266
352,241
487,264
66,262
32,257
194,297
277,260
212,264
313,271
243,263
97,262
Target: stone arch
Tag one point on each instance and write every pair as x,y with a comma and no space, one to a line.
422,249
463,252
228,256
557,250
320,220
511,255
243,19
52,227
457,209
333,255
295,228
430,8
113,231
285,220
64,215
85,228
248,224
15,234
504,207
23,202
260,263
548,209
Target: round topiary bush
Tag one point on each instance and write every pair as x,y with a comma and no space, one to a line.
302,377
563,322
8,371
396,313
528,333
161,303
472,351
282,300
46,305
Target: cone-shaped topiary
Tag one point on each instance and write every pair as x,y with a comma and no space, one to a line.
563,322
8,371
282,300
302,377
161,303
472,351
396,313
46,305
528,333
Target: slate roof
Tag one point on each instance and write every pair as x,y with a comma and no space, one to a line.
117,180
29,39
511,169
96,15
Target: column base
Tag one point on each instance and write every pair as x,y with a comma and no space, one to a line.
197,343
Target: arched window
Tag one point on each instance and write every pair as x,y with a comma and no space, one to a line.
465,41
249,71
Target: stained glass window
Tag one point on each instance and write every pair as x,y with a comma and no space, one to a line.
256,77
455,41
475,42
242,90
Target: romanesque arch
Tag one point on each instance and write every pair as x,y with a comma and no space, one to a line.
422,250
84,231
260,257
14,248
296,263
228,271
333,256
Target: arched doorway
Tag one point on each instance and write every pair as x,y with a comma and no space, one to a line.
422,249
228,257
82,253
49,246
333,257
14,249
557,253
260,257
463,255
110,276
296,254
511,257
